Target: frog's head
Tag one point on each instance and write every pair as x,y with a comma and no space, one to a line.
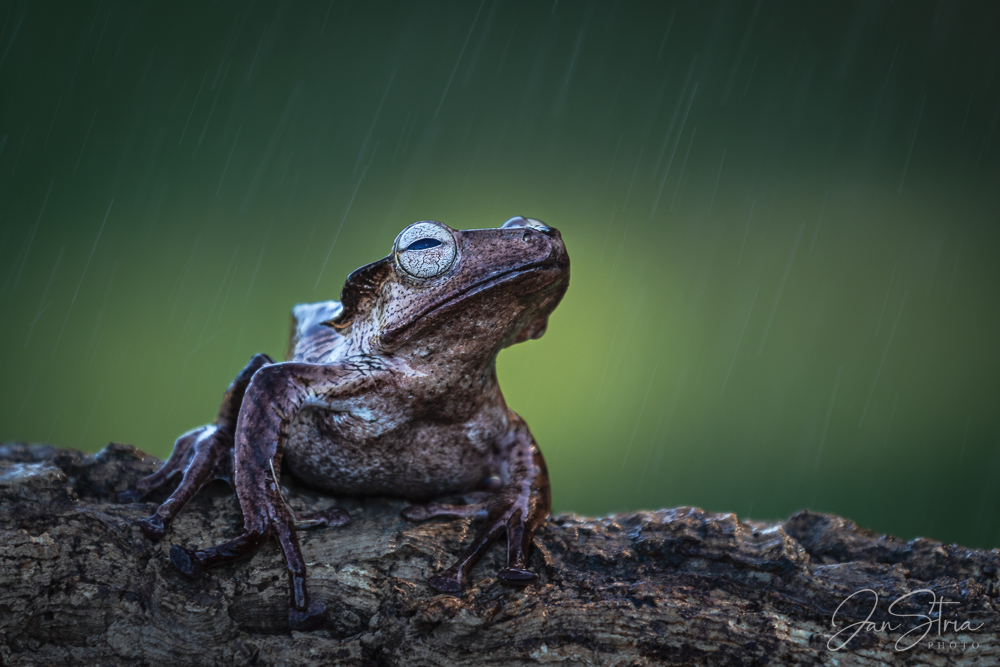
469,292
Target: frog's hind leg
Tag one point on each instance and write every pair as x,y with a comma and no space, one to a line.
199,456
519,508
204,462
174,466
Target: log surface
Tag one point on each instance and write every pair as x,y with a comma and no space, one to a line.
80,584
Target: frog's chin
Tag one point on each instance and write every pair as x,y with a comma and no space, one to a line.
394,333
535,330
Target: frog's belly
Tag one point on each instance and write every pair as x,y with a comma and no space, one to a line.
418,462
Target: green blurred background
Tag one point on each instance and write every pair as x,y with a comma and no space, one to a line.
782,217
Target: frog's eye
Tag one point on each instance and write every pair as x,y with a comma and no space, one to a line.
425,249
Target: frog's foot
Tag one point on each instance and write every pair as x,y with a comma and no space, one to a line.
309,619
516,577
186,561
332,517
474,505
192,563
448,581
511,520
518,509
303,614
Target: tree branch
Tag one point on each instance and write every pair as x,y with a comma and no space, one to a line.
79,583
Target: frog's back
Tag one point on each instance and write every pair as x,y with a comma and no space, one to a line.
312,341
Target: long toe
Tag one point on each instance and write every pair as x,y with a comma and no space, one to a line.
328,518
185,561
446,582
153,527
416,513
310,619
512,576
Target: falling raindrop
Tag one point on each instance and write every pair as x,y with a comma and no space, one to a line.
86,266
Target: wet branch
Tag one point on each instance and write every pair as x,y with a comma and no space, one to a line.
80,584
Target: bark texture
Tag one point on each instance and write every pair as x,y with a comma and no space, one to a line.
80,584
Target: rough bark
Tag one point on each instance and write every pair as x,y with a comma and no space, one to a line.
80,584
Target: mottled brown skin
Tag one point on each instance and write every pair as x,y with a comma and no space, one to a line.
391,391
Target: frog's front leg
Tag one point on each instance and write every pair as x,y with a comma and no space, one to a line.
200,456
519,507
274,396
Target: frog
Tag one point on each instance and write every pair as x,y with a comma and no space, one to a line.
391,391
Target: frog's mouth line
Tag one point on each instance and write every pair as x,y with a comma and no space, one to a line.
472,290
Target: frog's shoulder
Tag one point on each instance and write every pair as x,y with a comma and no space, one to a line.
306,315
311,340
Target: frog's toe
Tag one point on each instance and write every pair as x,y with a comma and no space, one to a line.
416,513
185,561
447,582
424,512
154,528
512,576
330,518
309,619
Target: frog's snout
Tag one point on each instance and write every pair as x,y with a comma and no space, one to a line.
530,226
